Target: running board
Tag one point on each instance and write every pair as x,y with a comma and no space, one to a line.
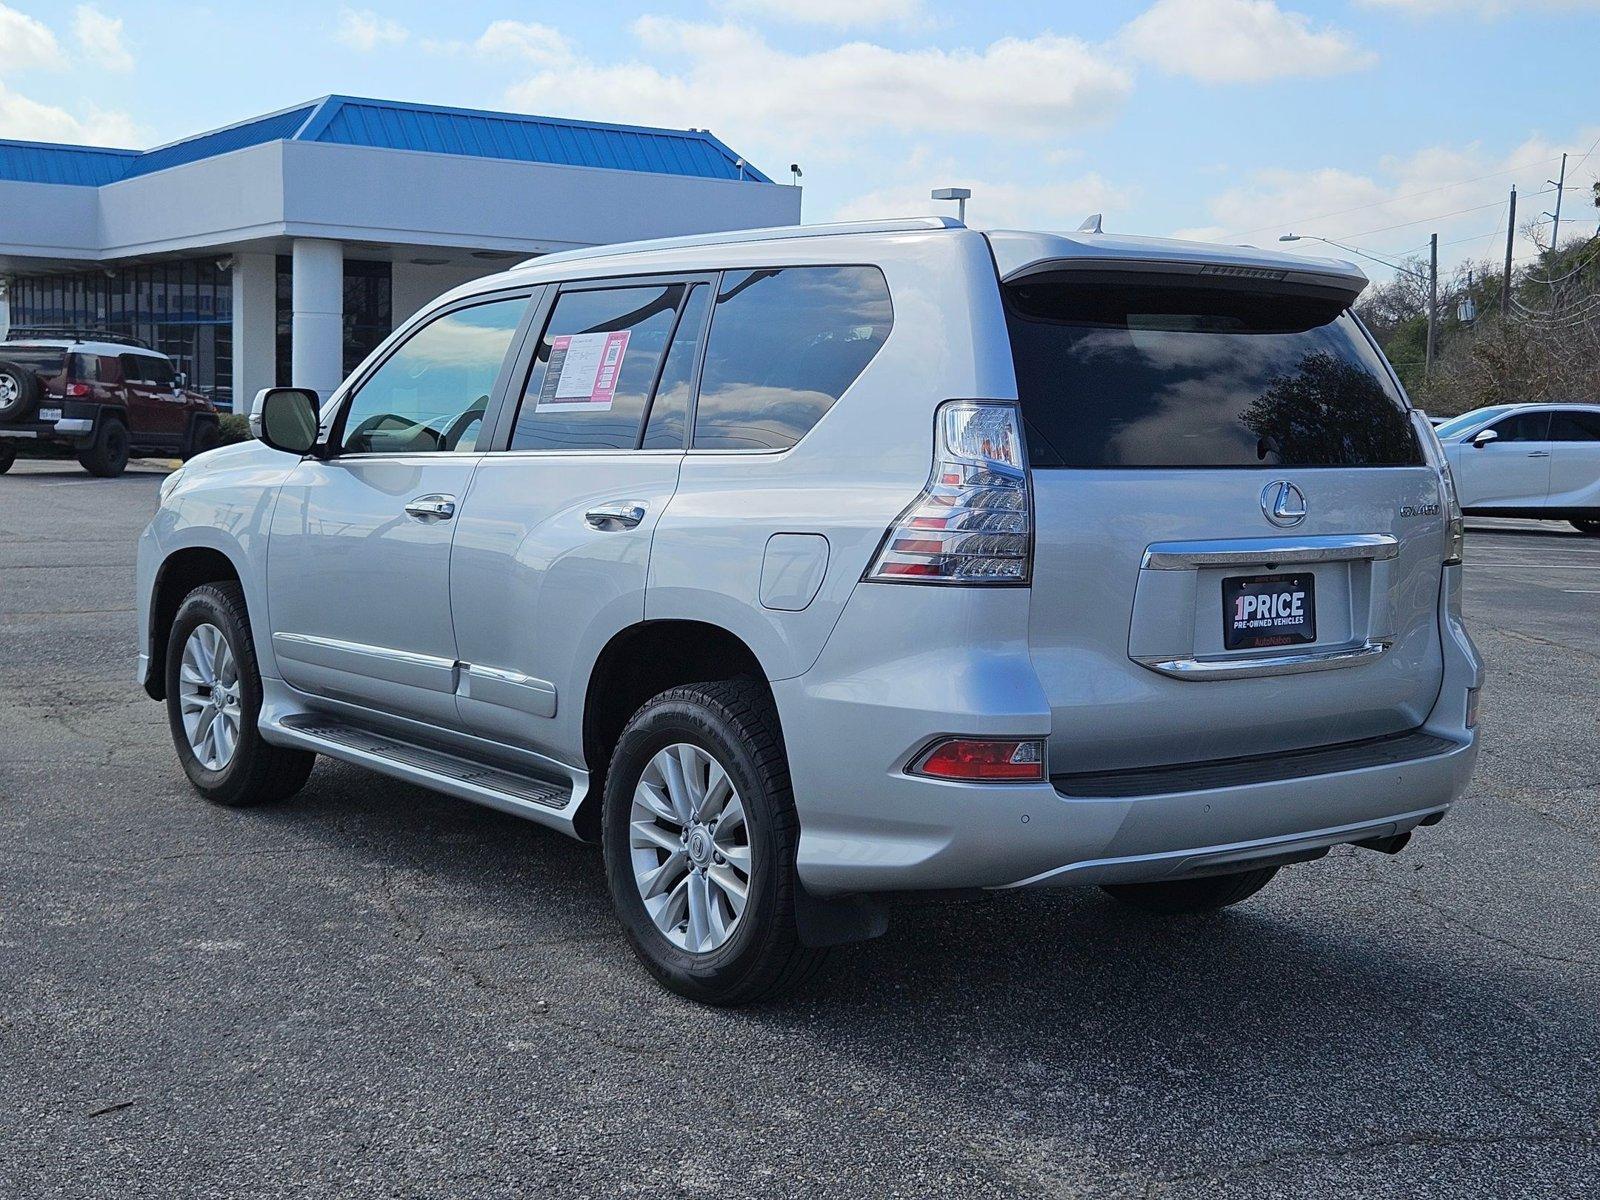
553,804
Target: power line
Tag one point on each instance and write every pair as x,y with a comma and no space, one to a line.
1443,187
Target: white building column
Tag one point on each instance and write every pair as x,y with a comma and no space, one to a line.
255,327
317,357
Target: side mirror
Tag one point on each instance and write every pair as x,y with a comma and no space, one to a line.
286,419
1483,437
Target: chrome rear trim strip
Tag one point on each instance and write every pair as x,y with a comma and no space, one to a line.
1265,552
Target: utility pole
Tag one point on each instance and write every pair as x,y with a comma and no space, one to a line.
1561,186
1433,302
1511,229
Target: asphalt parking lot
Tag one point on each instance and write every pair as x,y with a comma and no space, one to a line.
375,991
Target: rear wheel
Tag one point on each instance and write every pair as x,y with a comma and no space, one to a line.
107,455
214,703
1584,525
19,391
1206,894
700,835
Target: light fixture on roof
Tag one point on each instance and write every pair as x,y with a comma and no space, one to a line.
959,195
796,174
431,262
739,162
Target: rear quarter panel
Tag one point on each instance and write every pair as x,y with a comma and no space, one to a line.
862,463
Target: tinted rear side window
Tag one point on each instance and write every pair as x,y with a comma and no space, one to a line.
1575,427
784,345
595,367
1121,371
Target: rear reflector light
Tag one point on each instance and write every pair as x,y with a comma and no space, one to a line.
982,761
973,522
77,389
1472,707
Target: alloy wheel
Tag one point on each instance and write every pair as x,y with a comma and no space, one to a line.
210,697
690,848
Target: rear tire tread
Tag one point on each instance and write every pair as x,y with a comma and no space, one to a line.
783,962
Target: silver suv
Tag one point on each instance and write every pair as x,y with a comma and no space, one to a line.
801,566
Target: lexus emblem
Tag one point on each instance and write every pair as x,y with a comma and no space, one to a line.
1283,503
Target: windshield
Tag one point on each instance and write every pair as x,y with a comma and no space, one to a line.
1456,426
46,360
1122,370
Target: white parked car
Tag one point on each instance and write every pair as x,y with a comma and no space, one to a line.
798,566
1528,460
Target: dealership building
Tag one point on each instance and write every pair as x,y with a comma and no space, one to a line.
282,249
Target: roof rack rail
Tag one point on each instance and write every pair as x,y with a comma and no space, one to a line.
739,236
82,333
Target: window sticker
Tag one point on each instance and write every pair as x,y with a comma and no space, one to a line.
583,371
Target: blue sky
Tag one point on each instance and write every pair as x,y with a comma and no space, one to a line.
1372,121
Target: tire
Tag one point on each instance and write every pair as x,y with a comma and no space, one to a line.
19,391
107,456
7,457
207,435
759,955
1206,894
1584,525
254,772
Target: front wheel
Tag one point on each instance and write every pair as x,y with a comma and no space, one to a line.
1206,894
207,436
700,834
1584,525
214,703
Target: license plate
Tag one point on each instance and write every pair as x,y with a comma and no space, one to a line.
1259,611
49,414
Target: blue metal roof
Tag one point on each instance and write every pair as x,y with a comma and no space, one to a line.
390,125
43,162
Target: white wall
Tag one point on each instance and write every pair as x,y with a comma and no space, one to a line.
412,285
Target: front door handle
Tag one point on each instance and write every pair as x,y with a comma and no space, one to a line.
1538,454
437,507
625,514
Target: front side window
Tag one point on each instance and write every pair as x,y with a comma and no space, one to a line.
430,395
1524,427
1116,369
784,345
595,367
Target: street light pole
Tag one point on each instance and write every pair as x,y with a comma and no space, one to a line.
1433,303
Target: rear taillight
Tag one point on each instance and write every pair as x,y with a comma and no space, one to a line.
1456,521
983,760
973,523
78,389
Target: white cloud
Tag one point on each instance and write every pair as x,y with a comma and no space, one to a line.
1486,8
995,204
29,120
1458,192
364,30
753,93
529,40
100,39
1239,41
840,14
26,43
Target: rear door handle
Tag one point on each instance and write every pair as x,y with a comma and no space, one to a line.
437,507
1538,454
625,514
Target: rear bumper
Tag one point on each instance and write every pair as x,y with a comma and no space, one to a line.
853,721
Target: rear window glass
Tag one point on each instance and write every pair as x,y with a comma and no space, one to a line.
1120,371
46,360
784,345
